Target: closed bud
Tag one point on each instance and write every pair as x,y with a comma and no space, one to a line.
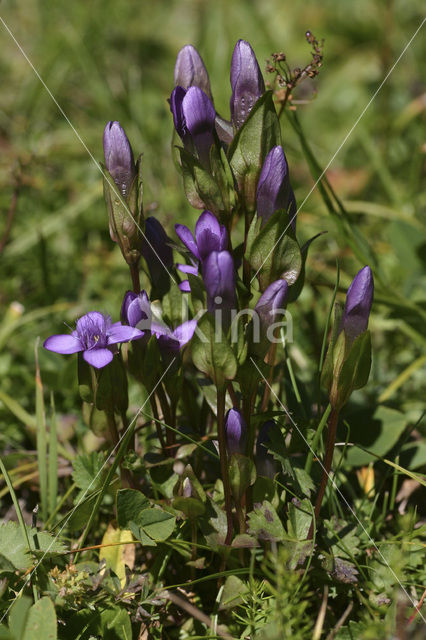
157,253
219,281
359,299
119,157
190,70
265,463
235,432
273,189
246,82
122,193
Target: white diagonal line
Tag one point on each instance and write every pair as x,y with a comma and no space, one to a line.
345,139
95,162
331,479
85,493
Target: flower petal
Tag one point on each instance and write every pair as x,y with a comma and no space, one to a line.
188,268
63,343
185,287
98,358
184,332
123,333
185,235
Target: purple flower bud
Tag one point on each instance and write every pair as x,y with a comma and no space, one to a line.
271,301
265,463
95,335
176,100
359,299
219,280
190,70
119,157
246,82
235,432
273,189
136,310
199,114
156,250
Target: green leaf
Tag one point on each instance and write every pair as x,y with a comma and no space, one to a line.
299,519
41,621
265,524
130,503
115,552
18,616
355,369
87,470
157,524
275,253
233,592
111,389
109,623
242,474
250,146
191,507
13,546
214,357
377,432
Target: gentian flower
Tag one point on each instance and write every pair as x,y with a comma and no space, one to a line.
172,341
273,299
265,463
273,189
194,115
156,250
235,432
219,281
94,335
210,236
359,299
246,82
136,310
119,157
190,70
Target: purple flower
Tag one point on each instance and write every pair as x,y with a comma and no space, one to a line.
156,250
172,341
235,432
194,114
119,159
94,334
265,463
246,82
219,281
136,310
190,70
273,189
210,236
359,299
271,301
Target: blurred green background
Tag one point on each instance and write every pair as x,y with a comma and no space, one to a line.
108,59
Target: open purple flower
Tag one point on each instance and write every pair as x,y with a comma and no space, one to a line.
194,115
235,432
136,310
119,157
94,334
210,236
359,299
246,82
172,341
190,70
273,189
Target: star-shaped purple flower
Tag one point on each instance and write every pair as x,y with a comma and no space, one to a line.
94,335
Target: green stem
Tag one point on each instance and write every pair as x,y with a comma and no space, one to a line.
331,439
224,461
158,425
316,440
134,272
125,474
